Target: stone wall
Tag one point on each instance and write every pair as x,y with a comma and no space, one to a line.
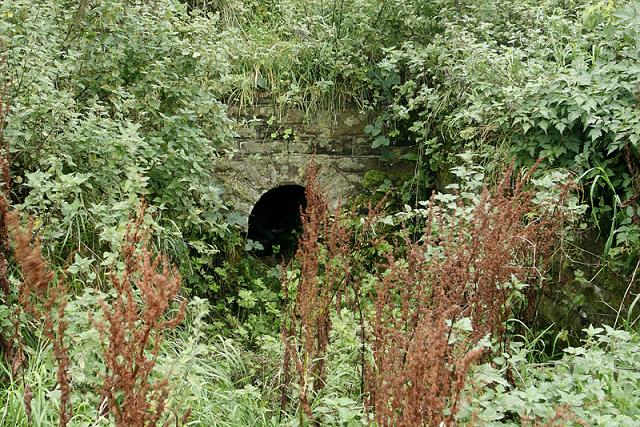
272,149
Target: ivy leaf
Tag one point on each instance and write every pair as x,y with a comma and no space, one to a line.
372,130
380,141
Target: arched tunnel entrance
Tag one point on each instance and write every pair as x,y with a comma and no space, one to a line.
274,221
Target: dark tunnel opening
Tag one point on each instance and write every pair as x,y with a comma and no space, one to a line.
275,222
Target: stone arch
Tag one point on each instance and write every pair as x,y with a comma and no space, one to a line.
273,148
274,220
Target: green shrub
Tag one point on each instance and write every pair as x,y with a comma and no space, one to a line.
112,102
593,384
530,79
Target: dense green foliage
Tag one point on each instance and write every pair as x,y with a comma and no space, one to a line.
116,102
532,81
594,383
555,79
111,103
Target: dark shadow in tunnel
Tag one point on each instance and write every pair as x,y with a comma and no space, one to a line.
275,222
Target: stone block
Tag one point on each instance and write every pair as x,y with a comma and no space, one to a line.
361,147
316,130
320,146
324,119
263,111
253,147
292,116
370,162
300,148
350,164
246,131
350,123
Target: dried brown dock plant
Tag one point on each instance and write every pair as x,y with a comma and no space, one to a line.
133,328
462,268
323,260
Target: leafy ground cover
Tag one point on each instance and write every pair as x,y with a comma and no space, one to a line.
126,295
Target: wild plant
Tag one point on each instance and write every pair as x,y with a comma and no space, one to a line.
42,299
133,330
5,185
323,274
37,294
326,277
435,298
453,287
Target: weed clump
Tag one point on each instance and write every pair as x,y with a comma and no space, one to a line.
452,288
133,328
434,299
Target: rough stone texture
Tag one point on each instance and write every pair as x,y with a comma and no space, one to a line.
273,149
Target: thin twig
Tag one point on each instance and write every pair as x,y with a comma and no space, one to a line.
626,293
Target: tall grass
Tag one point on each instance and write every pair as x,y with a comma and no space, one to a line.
29,398
223,384
214,377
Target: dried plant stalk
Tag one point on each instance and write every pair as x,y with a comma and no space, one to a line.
39,297
133,328
5,185
460,269
326,280
324,273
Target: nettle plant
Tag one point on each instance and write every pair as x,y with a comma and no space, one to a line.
111,102
460,198
528,80
592,384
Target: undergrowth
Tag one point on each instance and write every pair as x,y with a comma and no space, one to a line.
424,314
426,306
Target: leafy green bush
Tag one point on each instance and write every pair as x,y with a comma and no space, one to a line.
595,383
111,102
530,79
